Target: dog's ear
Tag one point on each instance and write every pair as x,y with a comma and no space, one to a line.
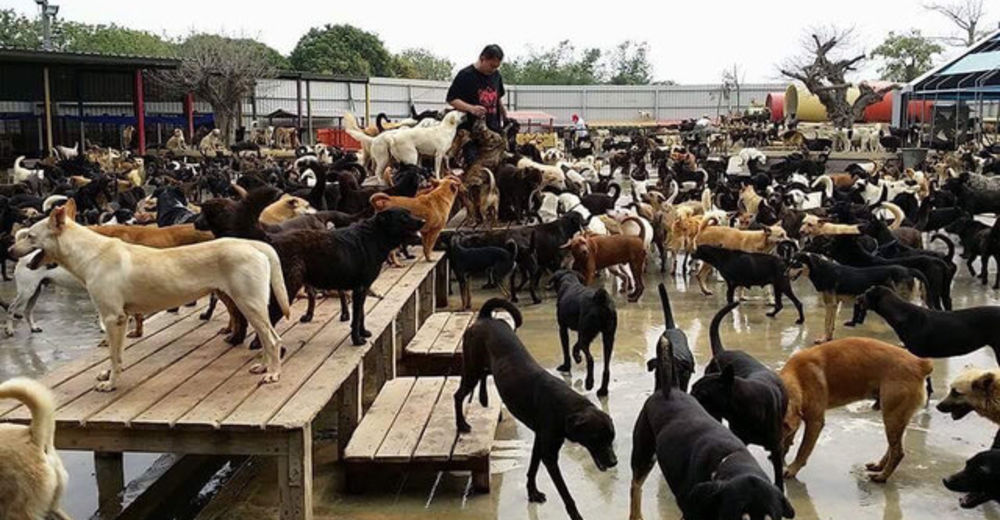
704,495
984,383
57,219
567,245
70,209
651,365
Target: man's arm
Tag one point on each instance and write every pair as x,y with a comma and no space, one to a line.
475,110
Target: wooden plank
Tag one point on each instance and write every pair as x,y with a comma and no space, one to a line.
371,432
302,408
217,406
83,382
438,440
405,433
186,396
451,335
427,334
484,422
186,317
80,410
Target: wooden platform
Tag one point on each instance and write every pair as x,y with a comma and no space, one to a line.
411,426
436,350
184,390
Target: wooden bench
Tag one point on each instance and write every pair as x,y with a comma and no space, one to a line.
184,390
411,427
436,350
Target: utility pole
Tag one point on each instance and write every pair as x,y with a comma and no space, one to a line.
49,13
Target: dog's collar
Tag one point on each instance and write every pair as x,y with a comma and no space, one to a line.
721,462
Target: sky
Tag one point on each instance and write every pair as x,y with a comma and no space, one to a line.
690,41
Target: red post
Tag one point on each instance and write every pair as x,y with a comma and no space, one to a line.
140,111
189,113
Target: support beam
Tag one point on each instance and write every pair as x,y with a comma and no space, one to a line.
47,109
78,79
309,113
189,114
139,97
298,104
368,101
110,473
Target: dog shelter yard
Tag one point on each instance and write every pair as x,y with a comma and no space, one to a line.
305,267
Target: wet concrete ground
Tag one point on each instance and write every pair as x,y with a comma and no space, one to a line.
833,485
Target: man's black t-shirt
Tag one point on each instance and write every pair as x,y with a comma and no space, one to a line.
476,88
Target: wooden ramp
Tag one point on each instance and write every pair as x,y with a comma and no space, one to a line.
184,390
411,427
436,350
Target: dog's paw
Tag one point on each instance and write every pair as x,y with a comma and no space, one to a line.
818,341
365,333
464,427
270,378
791,471
104,375
564,368
103,343
874,467
345,316
850,323
258,368
133,334
357,341
235,339
800,321
36,330
205,316
770,314
589,383
577,357
105,386
602,392
9,332
536,497
879,478
255,344
306,318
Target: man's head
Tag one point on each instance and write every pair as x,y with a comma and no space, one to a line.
489,59
575,118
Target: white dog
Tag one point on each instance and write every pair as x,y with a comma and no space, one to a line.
22,174
32,476
406,145
29,284
125,279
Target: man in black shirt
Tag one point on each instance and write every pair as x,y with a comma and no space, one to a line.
477,90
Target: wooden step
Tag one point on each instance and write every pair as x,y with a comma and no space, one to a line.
411,427
436,350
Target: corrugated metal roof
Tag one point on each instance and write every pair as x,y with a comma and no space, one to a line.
15,54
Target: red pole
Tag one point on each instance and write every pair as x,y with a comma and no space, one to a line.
189,113
140,111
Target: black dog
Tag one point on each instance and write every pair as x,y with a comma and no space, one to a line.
683,361
497,262
709,470
543,402
977,479
588,311
751,397
978,241
171,207
741,269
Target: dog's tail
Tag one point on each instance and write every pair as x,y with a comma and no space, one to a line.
511,246
713,330
379,119
277,277
951,245
706,200
40,402
352,128
486,312
617,189
827,183
642,229
923,287
668,313
665,375
379,201
897,215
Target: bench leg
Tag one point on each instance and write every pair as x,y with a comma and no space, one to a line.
110,474
295,477
350,408
441,284
481,476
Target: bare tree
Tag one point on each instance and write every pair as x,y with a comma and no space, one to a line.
967,15
823,71
222,71
732,81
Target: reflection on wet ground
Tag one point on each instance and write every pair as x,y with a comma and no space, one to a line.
833,486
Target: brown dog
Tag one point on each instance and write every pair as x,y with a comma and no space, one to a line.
434,207
592,253
974,390
841,372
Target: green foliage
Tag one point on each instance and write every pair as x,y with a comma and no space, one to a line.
906,56
110,39
628,64
17,30
342,49
422,64
560,65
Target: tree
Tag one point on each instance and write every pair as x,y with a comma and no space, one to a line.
628,64
906,56
220,70
110,39
422,64
342,49
822,69
732,81
967,15
560,65
17,30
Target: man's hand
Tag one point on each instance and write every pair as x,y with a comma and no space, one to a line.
477,110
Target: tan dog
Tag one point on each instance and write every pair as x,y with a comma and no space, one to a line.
974,390
176,143
124,279
287,207
434,207
762,241
749,200
593,253
846,370
211,143
32,477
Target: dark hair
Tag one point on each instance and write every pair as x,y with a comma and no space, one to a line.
492,52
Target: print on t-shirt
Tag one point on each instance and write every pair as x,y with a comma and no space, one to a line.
488,99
